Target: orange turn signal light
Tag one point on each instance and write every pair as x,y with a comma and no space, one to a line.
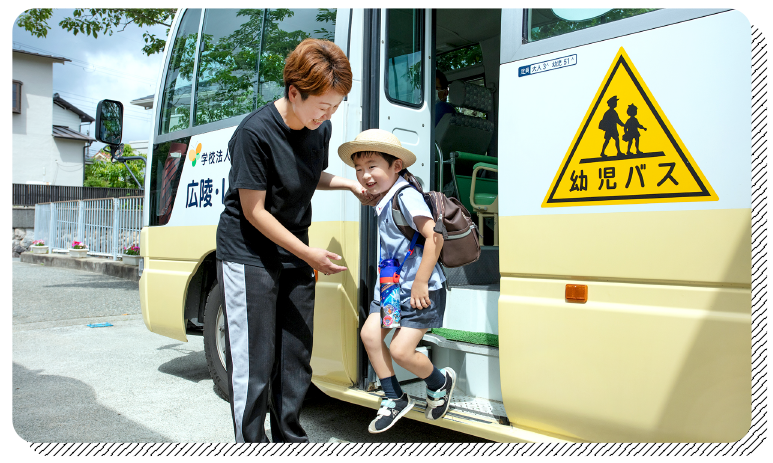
576,293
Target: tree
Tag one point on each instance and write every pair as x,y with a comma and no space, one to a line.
106,174
105,21
460,58
558,26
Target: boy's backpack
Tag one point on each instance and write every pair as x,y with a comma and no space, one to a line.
452,220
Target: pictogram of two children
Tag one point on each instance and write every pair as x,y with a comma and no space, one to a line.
609,124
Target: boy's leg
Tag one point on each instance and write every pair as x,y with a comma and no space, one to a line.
396,403
403,349
292,366
373,339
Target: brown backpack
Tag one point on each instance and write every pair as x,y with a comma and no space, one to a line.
452,220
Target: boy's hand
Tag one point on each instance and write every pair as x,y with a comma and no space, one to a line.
420,295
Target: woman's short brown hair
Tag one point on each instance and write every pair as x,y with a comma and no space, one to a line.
316,66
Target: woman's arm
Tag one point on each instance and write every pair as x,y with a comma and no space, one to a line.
253,205
328,181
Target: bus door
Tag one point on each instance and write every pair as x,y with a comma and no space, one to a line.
405,99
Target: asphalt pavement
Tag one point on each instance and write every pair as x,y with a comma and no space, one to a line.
122,383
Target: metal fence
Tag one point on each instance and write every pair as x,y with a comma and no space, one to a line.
105,226
29,195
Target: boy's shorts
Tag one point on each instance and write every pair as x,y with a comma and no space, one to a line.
431,317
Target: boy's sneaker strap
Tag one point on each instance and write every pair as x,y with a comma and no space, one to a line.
391,410
439,401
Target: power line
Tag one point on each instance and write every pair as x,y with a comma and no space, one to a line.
88,100
85,65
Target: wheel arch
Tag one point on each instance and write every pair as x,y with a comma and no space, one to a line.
198,288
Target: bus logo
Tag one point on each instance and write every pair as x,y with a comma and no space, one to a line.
193,155
626,151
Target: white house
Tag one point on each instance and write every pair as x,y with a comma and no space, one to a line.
48,147
146,102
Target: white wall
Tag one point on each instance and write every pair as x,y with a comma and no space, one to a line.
139,146
37,156
66,117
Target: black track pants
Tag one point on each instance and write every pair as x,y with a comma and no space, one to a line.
269,317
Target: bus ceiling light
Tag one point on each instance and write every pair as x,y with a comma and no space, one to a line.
577,293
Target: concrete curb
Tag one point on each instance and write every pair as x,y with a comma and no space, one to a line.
101,265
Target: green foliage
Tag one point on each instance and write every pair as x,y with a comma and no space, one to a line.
562,26
233,67
105,21
461,58
326,15
106,174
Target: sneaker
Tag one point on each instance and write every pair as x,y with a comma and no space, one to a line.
391,410
439,401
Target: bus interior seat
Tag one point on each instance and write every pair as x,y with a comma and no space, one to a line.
463,140
484,199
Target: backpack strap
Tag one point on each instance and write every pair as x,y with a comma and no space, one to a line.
399,219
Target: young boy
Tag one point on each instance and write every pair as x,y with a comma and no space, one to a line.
379,159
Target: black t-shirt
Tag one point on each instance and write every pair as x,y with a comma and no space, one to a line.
267,155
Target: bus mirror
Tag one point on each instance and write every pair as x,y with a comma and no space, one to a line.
109,122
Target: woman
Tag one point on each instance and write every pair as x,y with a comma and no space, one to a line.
264,262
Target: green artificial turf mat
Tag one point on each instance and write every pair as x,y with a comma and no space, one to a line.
484,339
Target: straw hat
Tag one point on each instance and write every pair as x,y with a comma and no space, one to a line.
376,140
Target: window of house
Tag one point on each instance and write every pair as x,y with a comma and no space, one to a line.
404,54
176,102
17,96
543,23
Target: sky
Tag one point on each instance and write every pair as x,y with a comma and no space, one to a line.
109,67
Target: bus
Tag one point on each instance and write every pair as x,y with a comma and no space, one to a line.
612,298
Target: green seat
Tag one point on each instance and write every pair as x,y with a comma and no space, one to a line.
485,202
463,166
484,199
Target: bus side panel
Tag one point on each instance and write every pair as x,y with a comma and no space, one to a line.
176,252
334,357
636,363
706,247
661,349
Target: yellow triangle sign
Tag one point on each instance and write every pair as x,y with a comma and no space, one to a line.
626,151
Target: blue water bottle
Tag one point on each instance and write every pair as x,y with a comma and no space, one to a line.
389,278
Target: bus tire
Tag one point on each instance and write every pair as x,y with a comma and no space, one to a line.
214,340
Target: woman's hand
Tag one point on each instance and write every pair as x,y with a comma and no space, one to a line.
319,259
365,198
420,295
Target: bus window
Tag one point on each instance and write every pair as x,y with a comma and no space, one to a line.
405,72
284,29
228,64
543,23
460,58
176,104
165,169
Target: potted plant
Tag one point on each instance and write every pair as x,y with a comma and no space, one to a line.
78,249
131,255
39,247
